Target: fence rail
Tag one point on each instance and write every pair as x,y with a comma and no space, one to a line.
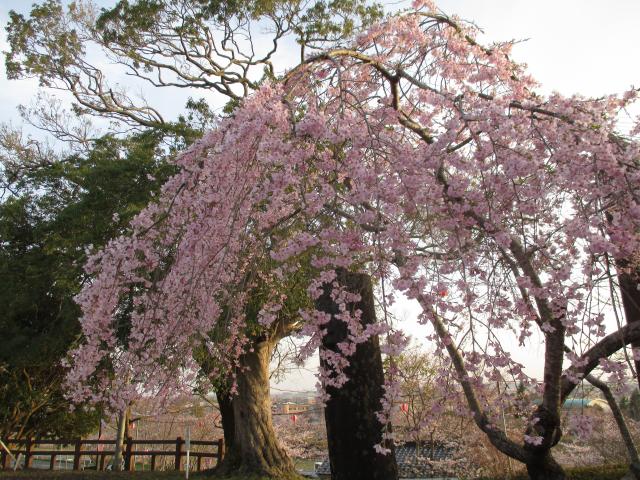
29,451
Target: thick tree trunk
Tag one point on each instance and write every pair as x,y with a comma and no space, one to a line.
543,467
352,426
255,449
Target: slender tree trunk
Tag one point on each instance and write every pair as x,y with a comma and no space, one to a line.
120,434
255,449
632,451
628,282
225,402
628,278
350,414
540,464
630,294
544,467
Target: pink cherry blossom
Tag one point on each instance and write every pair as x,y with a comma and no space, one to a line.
416,155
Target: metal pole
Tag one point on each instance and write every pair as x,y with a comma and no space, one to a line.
98,445
188,445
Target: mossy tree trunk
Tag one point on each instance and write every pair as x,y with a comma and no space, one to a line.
255,449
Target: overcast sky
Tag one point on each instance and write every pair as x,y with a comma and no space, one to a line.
573,46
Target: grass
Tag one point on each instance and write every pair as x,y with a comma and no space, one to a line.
604,472
91,475
601,472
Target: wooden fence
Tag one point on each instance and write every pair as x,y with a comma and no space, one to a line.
131,449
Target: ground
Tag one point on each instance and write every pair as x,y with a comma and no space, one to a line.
66,475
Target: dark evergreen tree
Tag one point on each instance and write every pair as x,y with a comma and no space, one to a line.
56,214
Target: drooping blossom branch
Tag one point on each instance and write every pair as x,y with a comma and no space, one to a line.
416,155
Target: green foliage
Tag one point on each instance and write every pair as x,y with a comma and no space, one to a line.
61,210
59,45
38,323
336,19
227,46
312,21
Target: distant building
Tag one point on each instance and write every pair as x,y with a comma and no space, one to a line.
580,403
291,408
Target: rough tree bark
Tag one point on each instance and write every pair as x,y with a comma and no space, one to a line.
352,426
255,449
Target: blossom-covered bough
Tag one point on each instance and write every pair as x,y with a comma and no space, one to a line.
418,156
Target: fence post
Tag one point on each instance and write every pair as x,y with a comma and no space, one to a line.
220,450
153,463
179,443
27,455
101,467
129,464
52,462
77,453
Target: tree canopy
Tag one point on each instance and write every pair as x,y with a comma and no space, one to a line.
421,157
409,151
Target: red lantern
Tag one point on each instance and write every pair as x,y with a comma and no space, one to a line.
404,407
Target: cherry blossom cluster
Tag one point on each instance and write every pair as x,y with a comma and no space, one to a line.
416,155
